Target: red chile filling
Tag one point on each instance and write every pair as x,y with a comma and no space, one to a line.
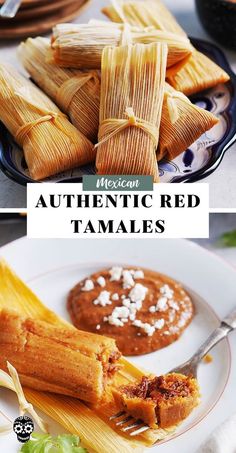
110,367
160,388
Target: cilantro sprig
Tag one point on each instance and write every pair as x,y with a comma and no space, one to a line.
229,239
45,443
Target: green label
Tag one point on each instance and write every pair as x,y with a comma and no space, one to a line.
117,183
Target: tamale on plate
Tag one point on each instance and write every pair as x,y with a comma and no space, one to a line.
132,90
81,45
50,142
199,72
57,359
77,93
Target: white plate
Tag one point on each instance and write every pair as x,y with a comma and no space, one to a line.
51,268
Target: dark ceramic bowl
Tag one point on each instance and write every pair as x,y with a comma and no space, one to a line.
218,17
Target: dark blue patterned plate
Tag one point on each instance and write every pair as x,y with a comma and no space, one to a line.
197,162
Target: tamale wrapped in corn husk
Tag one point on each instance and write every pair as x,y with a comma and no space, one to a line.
77,93
199,72
50,142
132,90
81,46
182,123
69,362
89,422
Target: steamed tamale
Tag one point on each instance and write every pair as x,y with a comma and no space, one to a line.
199,73
81,46
182,123
55,359
161,401
50,142
77,93
132,90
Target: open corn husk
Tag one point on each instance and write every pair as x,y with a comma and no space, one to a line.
89,422
182,123
132,90
50,142
77,93
81,46
199,73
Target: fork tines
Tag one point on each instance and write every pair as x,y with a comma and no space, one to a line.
130,422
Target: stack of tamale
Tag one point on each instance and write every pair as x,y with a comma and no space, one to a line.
134,117
199,73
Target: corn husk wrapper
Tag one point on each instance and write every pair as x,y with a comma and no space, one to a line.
77,93
89,422
132,89
199,73
81,46
182,123
50,142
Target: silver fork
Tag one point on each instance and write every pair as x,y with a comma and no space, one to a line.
188,368
10,8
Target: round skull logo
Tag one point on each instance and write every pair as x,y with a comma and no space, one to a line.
23,427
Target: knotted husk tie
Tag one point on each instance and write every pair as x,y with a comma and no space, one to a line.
126,35
70,87
172,105
113,126
47,115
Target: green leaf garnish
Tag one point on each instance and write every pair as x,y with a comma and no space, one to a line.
229,239
44,443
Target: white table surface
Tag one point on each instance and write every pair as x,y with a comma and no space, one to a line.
222,181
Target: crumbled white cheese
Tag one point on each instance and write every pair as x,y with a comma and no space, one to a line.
128,280
184,317
171,315
117,316
174,305
138,274
115,273
173,329
123,296
152,309
162,304
103,299
159,323
115,296
148,329
137,323
88,285
166,332
132,317
98,326
101,281
126,302
138,293
166,291
105,319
